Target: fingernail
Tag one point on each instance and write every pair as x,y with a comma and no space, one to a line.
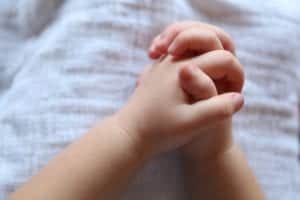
162,36
159,40
172,48
238,100
152,48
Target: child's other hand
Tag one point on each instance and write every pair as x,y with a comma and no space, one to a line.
187,39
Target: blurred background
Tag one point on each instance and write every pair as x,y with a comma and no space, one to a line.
65,64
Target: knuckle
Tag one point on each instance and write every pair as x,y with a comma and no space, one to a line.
228,41
225,35
210,36
183,38
228,38
204,83
175,27
227,57
187,38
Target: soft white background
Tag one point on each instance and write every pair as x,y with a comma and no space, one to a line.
64,65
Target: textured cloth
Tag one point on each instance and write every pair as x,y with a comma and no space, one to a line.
64,65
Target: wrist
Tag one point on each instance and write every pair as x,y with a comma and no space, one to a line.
137,146
216,159
212,142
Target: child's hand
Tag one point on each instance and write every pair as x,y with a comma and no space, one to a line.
188,39
193,38
160,116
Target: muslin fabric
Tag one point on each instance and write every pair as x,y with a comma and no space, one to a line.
66,64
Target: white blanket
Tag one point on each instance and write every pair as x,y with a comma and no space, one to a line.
64,65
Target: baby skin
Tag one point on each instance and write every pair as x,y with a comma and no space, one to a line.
213,161
184,100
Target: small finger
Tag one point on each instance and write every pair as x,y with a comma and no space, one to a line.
196,83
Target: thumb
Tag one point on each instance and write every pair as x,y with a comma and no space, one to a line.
214,109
